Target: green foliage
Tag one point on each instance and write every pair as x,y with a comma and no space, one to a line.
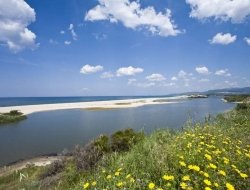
237,98
124,140
11,117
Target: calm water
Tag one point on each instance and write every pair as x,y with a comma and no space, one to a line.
53,131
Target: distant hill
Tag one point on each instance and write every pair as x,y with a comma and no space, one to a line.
226,91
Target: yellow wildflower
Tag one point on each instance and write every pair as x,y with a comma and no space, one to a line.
109,177
221,172
119,184
208,188
212,166
117,173
229,186
168,177
194,167
208,157
243,175
216,184
182,163
132,180
207,182
128,176
85,185
186,178
183,185
233,166
206,174
151,185
181,157
93,183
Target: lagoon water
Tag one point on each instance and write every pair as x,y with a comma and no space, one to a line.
54,131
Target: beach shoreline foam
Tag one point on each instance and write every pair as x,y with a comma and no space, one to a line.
110,104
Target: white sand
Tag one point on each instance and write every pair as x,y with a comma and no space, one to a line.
95,105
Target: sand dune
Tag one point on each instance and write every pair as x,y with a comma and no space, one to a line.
95,105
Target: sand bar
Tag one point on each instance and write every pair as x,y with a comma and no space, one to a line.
111,104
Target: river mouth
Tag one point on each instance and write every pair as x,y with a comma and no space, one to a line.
54,131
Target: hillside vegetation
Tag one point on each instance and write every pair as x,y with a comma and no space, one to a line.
210,155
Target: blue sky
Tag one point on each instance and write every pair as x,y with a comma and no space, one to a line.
122,47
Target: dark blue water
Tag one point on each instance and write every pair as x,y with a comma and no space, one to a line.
17,101
53,131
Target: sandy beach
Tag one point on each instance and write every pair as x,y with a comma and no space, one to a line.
94,105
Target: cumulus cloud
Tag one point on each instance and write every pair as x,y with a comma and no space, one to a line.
67,42
62,32
182,74
107,75
247,40
132,15
128,71
202,70
15,16
88,69
174,78
223,72
144,85
73,33
234,10
156,77
223,39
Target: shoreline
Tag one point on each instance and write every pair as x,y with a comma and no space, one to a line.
38,161
110,104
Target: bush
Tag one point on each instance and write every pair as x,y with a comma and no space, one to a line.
86,157
123,140
242,106
55,168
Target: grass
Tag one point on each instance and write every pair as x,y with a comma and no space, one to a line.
210,155
11,117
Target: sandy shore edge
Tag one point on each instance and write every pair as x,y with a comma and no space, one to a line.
37,161
111,104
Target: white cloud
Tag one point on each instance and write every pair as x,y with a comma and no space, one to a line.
144,85
131,81
128,71
99,36
71,29
131,15
168,84
67,42
107,75
54,42
247,40
204,80
223,39
15,16
88,69
156,77
62,32
174,78
223,72
182,74
202,70
235,10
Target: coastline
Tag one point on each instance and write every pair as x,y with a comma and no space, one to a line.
21,164
110,104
